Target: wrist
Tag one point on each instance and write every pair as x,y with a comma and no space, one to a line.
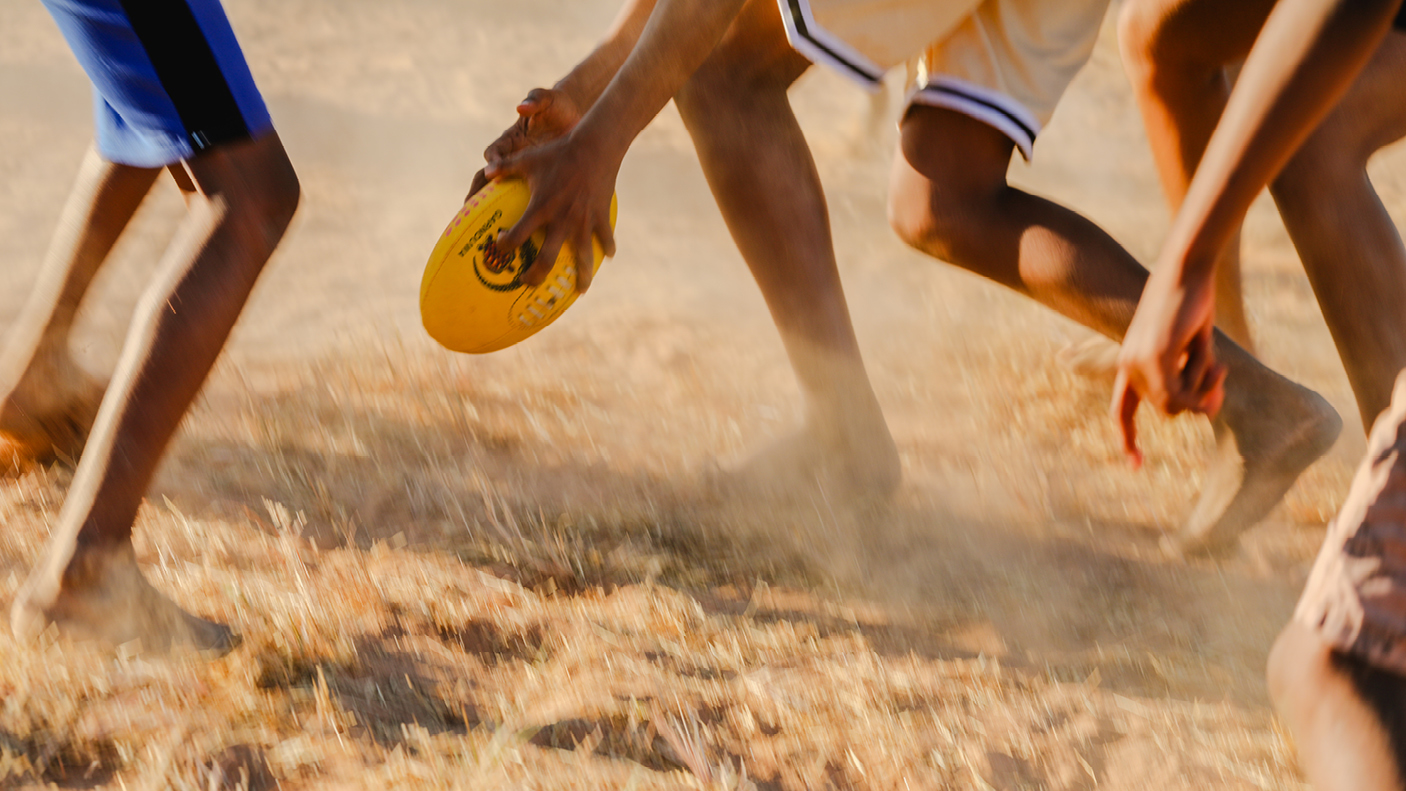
574,87
599,143
1186,264
585,83
1196,270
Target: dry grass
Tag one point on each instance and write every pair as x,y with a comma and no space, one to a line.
503,572
427,600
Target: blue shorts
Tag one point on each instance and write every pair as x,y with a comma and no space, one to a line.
169,80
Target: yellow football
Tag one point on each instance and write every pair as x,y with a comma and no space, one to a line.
472,298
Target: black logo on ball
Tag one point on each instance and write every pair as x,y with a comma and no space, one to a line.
500,269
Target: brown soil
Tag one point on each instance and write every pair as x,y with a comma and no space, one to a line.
503,572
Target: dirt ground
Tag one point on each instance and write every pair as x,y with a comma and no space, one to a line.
504,572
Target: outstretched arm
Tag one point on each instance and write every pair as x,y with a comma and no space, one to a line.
550,113
573,179
589,79
1304,60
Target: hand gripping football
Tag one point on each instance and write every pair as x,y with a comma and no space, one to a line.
472,298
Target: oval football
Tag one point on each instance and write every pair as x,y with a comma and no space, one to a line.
472,298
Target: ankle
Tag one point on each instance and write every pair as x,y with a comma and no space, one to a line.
91,561
847,415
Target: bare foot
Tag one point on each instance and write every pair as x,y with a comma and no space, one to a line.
1095,357
101,595
49,420
1258,457
857,464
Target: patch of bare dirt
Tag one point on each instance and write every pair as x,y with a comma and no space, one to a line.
506,572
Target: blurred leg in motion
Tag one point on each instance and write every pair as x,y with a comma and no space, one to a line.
171,89
950,199
1175,52
1337,674
1331,704
985,91
765,182
88,582
1351,250
47,402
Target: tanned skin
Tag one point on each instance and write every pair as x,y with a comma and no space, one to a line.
240,199
949,198
1176,53
731,91
1306,58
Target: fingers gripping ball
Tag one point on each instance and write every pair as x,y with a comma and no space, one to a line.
472,298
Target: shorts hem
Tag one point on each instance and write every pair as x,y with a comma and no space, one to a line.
152,160
821,46
993,108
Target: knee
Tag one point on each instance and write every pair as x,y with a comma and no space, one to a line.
1155,54
1137,32
269,196
943,217
1300,665
925,222
948,191
737,73
1328,163
716,92
701,99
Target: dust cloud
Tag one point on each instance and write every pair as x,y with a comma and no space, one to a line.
570,475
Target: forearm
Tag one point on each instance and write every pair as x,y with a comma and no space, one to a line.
677,39
589,79
1304,60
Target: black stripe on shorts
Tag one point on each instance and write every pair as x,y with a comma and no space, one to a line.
972,97
798,18
186,66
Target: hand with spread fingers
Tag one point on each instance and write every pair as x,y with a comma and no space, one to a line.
546,114
1168,355
621,88
572,185
1303,61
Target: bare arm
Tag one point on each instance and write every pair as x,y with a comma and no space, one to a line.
1308,54
573,179
589,79
677,39
1303,61
551,113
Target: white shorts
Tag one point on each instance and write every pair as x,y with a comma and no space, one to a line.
1005,63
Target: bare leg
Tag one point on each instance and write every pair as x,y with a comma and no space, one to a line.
87,581
1350,248
1182,85
1096,357
1176,54
762,175
1341,740
47,403
949,198
1231,316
